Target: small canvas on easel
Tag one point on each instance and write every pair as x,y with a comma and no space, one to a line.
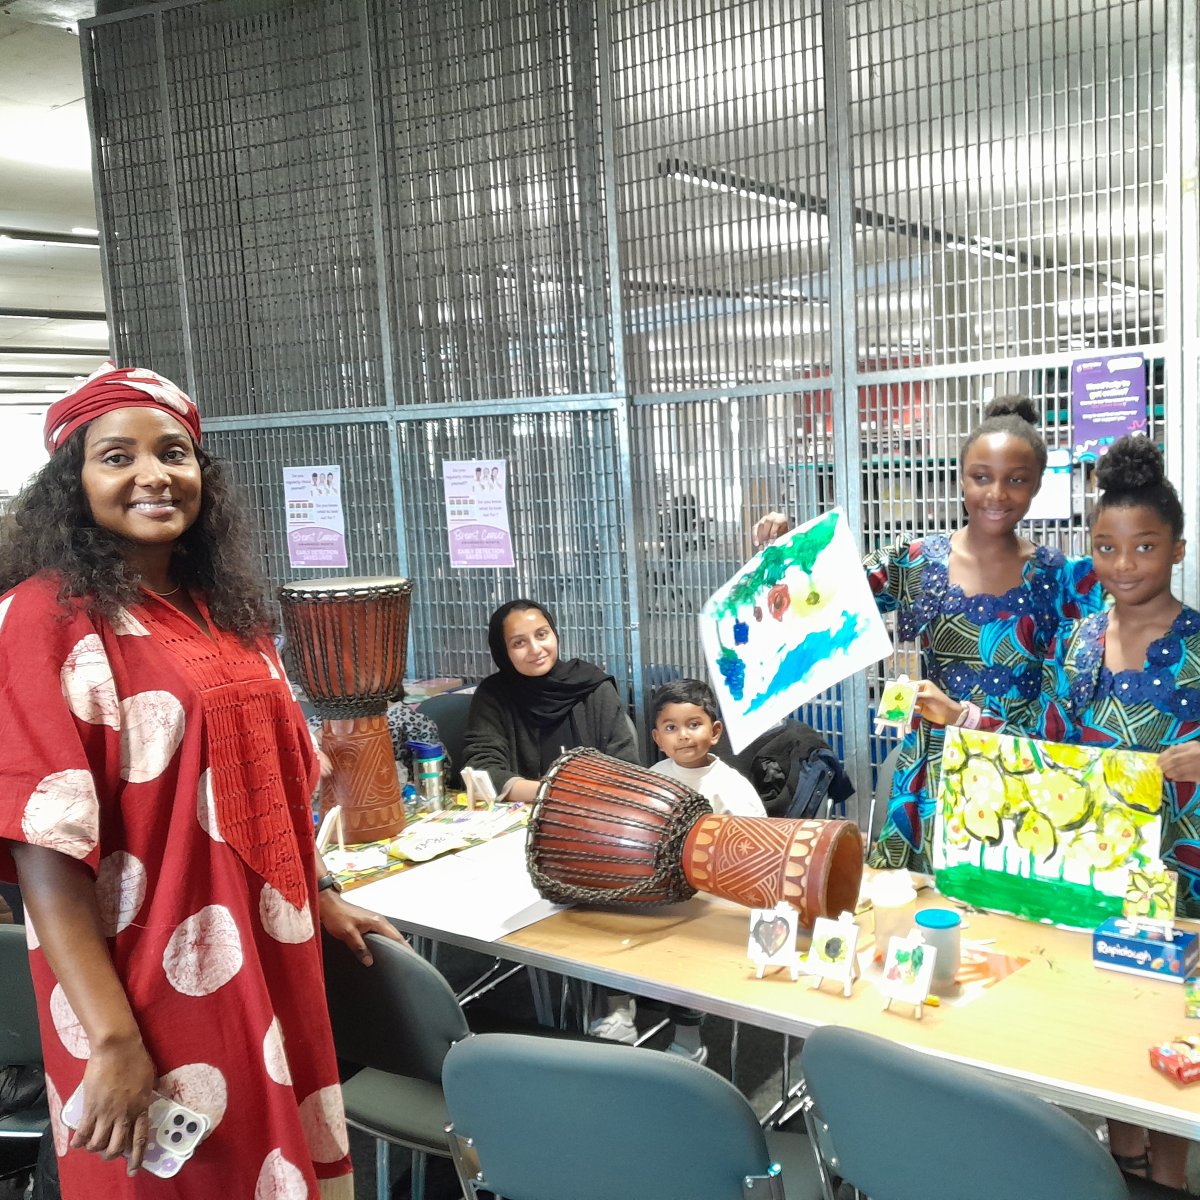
908,972
1150,895
1043,830
773,939
832,953
796,619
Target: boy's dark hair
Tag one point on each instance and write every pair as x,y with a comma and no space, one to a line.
685,691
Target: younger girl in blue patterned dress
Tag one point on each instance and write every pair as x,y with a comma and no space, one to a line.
1130,676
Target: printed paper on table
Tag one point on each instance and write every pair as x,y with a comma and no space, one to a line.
796,619
1043,830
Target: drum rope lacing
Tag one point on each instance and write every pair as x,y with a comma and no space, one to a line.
666,884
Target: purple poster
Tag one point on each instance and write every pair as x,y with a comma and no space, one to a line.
316,524
477,512
1108,400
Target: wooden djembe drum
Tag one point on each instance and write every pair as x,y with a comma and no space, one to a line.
606,832
347,643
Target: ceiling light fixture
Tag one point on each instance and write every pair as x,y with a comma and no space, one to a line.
42,237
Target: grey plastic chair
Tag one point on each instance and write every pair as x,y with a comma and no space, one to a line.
20,1042
396,1019
901,1125
539,1119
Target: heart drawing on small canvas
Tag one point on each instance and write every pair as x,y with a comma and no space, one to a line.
770,934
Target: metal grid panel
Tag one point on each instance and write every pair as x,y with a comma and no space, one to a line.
720,160
704,472
1008,177
256,459
490,144
273,158
145,316
569,538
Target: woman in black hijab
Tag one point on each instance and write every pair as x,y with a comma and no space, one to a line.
538,705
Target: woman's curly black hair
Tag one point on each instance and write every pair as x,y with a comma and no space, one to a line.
50,528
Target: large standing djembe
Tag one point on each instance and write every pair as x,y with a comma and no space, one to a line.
606,832
347,642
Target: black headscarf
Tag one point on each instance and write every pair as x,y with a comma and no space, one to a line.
545,700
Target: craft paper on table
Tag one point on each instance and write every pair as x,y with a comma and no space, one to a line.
477,512
1043,830
316,523
798,618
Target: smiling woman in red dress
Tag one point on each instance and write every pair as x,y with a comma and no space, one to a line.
155,796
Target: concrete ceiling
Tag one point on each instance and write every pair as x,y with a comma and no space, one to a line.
45,191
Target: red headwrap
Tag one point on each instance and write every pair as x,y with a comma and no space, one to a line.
111,387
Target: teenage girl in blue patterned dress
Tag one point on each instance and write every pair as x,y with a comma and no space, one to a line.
1130,676
983,604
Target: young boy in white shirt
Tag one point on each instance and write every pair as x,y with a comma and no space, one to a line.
686,727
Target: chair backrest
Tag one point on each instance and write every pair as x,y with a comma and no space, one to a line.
449,713
551,1118
20,1042
398,1015
907,1126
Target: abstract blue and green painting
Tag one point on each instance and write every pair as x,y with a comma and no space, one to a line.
795,620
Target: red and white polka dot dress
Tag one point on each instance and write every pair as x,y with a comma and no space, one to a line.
179,768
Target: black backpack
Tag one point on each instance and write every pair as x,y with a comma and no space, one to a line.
793,770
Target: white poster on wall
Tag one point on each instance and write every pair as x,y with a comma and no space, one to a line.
477,512
316,522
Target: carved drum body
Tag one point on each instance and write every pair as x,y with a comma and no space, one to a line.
606,832
347,642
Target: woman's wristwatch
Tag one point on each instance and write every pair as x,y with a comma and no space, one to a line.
327,881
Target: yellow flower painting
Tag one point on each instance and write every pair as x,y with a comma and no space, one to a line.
1044,831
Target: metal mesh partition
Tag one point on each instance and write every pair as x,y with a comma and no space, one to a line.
1008,177
567,532
146,317
720,166
490,141
677,264
256,458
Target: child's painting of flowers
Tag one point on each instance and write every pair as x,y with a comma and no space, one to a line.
1041,829
798,618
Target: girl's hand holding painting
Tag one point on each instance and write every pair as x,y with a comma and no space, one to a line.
767,529
1181,763
935,706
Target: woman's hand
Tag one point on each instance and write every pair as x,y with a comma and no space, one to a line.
118,1085
770,527
348,923
935,706
1181,763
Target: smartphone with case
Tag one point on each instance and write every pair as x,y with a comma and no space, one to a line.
175,1132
